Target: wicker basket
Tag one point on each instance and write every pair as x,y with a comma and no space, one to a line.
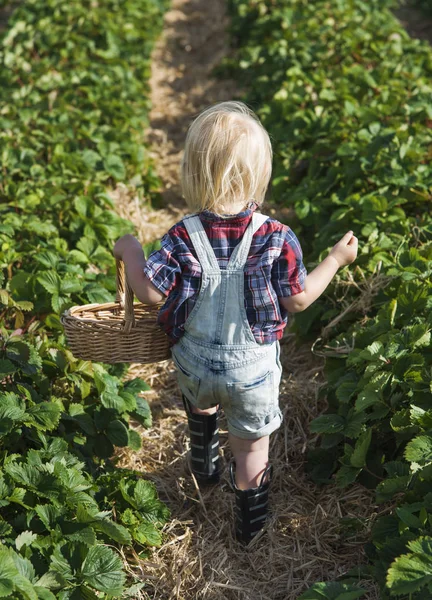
119,331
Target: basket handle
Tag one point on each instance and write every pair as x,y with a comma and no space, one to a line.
124,295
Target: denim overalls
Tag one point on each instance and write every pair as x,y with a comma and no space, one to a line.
218,359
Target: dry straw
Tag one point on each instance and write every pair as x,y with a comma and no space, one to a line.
120,331
305,540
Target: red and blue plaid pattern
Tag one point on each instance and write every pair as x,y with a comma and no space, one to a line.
274,268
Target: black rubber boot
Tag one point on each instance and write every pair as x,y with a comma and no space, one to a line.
204,441
251,507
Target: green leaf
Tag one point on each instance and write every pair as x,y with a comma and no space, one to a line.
117,432
6,587
6,368
43,593
142,413
135,442
115,167
358,457
406,516
116,532
50,281
409,573
136,386
90,158
26,538
420,336
61,565
388,488
8,572
346,390
45,414
48,514
327,424
102,570
51,580
346,475
332,591
78,532
419,450
148,534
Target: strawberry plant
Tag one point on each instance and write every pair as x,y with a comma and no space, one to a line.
345,95
73,105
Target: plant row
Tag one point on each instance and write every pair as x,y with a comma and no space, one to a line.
73,108
345,94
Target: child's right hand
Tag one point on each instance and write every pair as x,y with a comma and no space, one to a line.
345,251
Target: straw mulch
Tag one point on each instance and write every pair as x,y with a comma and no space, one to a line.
304,541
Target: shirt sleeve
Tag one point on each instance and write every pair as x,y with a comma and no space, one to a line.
288,271
162,267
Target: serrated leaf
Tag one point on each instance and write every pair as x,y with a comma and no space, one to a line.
346,475
115,167
25,567
61,565
51,580
117,433
6,368
45,414
26,538
50,281
420,335
78,532
90,158
44,593
8,572
129,400
147,533
332,590
358,457
48,514
419,450
116,532
409,573
408,518
102,569
142,413
327,424
135,442
23,585
136,386
346,390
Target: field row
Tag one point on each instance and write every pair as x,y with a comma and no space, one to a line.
73,108
345,94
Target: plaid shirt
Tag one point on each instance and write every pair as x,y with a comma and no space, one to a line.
274,268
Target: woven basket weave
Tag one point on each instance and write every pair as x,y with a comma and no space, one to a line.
120,331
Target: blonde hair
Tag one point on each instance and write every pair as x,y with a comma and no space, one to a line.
227,159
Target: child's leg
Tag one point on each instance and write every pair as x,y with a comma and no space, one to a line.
251,458
251,485
207,411
204,440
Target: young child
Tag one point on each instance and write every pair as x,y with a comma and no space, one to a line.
229,275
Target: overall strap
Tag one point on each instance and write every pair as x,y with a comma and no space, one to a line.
201,243
239,256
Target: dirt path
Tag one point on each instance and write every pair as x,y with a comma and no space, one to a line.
417,23
303,542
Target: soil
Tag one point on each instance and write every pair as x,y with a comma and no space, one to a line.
416,22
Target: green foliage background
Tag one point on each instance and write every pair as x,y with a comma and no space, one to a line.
345,95
73,107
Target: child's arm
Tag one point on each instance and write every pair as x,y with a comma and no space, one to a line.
343,253
129,250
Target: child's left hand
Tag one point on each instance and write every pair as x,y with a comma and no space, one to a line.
124,244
